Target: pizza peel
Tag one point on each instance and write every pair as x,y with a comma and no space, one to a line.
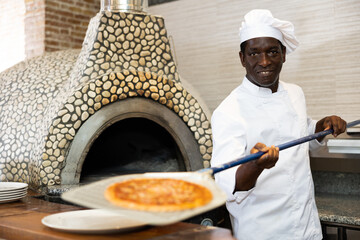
92,195
283,146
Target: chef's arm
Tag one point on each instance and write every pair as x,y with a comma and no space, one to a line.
330,122
248,173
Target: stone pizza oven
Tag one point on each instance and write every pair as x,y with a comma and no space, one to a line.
115,105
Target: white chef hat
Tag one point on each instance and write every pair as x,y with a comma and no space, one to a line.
261,23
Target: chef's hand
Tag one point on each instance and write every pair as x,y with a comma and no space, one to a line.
331,122
247,173
269,159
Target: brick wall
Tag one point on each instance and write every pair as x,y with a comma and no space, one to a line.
28,28
66,22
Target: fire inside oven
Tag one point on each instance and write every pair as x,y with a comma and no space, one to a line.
132,145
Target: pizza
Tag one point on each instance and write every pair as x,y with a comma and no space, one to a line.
157,194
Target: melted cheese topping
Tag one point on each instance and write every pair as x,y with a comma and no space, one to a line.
158,194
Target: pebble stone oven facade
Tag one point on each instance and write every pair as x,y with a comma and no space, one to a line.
45,101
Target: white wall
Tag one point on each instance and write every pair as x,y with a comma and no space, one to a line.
12,33
325,65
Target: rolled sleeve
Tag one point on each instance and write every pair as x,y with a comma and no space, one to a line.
241,195
314,144
226,181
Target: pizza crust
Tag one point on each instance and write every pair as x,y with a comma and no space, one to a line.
157,194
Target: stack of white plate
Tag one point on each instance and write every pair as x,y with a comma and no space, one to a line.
12,191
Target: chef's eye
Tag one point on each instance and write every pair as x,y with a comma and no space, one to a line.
273,53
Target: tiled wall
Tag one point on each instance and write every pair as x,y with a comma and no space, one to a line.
206,44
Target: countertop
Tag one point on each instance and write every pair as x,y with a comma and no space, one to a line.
22,220
339,208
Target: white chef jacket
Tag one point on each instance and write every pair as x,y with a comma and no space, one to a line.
281,205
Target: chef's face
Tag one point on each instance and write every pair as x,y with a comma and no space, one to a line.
263,58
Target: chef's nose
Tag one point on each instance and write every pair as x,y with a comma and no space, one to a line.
264,60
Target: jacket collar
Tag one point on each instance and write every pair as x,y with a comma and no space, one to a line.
261,91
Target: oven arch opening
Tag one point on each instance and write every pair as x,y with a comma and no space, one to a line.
147,112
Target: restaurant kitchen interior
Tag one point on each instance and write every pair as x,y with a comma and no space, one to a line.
117,106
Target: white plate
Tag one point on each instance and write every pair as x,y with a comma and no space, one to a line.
5,194
14,190
92,196
12,199
12,196
91,222
11,186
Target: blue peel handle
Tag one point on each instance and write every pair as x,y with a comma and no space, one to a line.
283,146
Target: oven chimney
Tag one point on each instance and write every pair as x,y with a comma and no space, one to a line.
130,6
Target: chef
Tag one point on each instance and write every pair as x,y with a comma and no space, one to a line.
271,197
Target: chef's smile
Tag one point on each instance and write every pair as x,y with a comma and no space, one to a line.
265,73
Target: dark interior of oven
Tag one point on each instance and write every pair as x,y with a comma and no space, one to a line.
132,145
